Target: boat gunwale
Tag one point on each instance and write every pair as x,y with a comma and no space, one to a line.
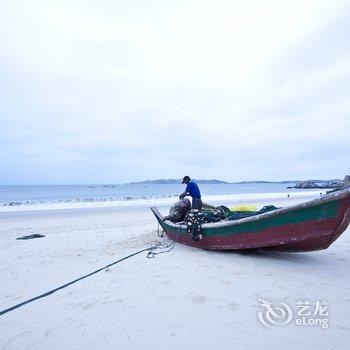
330,197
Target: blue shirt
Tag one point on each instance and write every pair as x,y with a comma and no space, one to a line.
193,189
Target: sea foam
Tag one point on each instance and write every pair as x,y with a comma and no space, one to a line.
146,201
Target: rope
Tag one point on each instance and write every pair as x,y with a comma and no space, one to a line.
72,282
160,234
151,254
165,248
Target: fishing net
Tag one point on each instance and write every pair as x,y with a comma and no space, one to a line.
195,218
178,210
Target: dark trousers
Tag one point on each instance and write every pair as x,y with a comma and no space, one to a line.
196,203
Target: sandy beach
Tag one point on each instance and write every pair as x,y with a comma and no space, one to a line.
187,298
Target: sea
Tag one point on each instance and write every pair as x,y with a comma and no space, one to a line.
65,197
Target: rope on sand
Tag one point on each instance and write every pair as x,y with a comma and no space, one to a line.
164,248
151,254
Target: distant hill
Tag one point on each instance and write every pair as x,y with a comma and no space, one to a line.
215,181
175,181
264,182
323,181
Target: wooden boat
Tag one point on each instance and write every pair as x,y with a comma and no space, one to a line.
309,226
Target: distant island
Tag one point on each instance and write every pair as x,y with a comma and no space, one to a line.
175,181
297,184
321,183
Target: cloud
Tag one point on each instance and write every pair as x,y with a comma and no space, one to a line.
121,91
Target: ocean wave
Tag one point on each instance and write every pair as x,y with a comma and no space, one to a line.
86,200
142,201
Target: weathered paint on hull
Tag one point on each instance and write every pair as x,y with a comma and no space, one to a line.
302,229
304,237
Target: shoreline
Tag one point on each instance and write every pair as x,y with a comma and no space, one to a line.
159,202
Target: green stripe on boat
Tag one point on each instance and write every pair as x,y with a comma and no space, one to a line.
297,216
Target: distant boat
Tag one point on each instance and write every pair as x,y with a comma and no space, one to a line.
313,225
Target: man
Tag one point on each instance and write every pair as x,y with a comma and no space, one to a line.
193,191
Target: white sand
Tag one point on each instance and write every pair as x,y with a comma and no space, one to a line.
188,298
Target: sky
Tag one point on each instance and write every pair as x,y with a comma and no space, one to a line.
114,91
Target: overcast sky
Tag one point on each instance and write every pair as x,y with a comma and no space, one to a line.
117,91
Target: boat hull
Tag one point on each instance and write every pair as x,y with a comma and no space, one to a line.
314,225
